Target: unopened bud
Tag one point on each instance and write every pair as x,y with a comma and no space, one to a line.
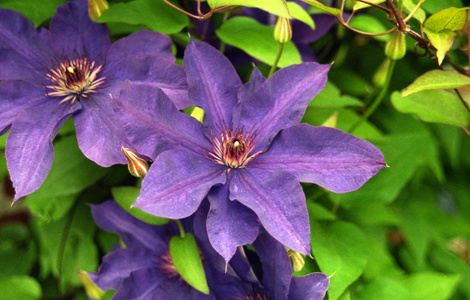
380,75
297,260
396,47
96,8
91,289
136,165
283,30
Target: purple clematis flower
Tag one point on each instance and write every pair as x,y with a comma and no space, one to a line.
71,69
249,154
241,280
143,269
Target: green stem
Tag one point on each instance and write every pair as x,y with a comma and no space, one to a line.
278,57
378,99
180,227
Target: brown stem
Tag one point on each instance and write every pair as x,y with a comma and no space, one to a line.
200,16
401,24
375,5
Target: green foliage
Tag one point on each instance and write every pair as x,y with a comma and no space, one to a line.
436,79
185,256
257,40
19,288
276,7
155,15
34,11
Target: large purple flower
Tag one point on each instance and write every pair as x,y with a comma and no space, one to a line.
143,269
249,154
71,69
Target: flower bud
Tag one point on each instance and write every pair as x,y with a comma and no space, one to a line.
396,47
297,260
91,289
96,8
282,30
380,75
136,165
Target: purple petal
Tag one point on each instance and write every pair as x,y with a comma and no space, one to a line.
213,83
281,101
29,150
23,49
277,270
15,97
229,224
157,72
177,182
72,31
278,200
110,216
309,287
99,136
326,156
153,124
302,33
142,284
248,88
119,264
140,44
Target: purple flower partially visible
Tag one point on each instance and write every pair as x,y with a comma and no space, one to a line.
241,281
249,154
71,69
143,269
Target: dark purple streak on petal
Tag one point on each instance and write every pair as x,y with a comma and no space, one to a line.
177,182
72,31
213,83
278,200
326,156
281,101
153,124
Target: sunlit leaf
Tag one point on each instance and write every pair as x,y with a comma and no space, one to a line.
361,5
431,285
297,12
434,106
321,6
19,288
257,40
276,7
384,288
185,256
36,11
436,79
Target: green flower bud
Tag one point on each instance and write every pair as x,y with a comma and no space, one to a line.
136,165
297,260
283,30
396,47
91,289
96,8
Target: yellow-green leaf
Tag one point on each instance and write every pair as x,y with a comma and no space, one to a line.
319,5
436,79
297,12
361,5
442,40
275,7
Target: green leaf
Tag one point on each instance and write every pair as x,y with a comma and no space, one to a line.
156,15
67,245
431,285
441,27
319,5
70,174
370,24
409,6
275,7
19,288
35,11
257,40
331,96
451,18
185,256
317,212
432,6
436,79
339,249
17,250
125,196
361,5
297,12
436,106
384,288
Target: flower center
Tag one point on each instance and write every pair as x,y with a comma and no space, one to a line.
74,78
167,266
233,147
